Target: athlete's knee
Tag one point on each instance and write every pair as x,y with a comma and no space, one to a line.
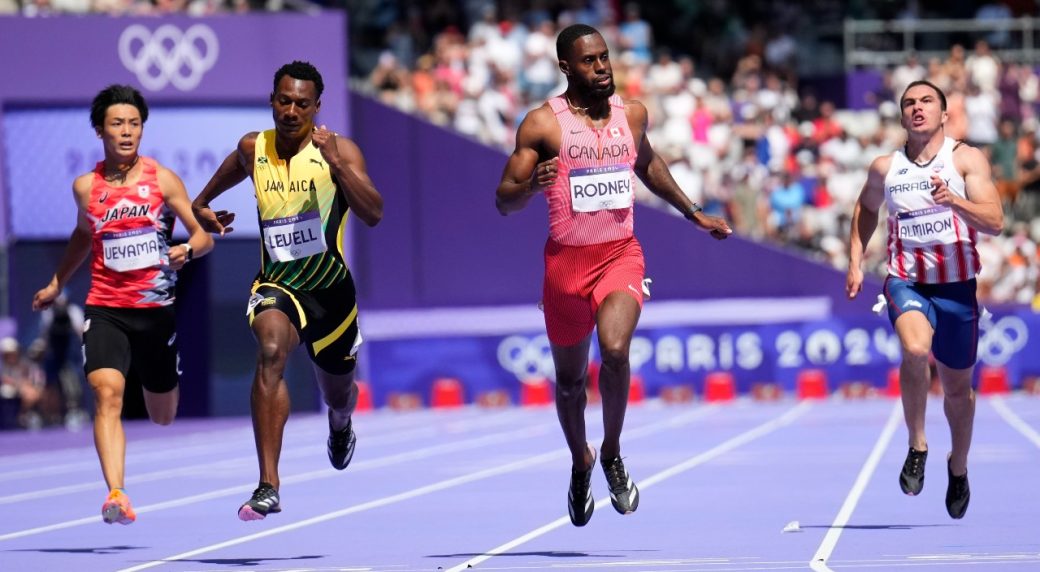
271,357
162,417
957,390
570,389
108,401
916,350
614,356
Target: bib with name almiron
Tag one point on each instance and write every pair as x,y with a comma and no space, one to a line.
927,242
303,217
591,200
130,242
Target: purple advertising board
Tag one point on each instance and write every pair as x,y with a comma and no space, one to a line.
214,75
860,348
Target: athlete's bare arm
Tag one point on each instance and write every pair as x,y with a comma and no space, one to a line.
982,208
235,168
176,198
865,221
532,165
653,171
347,164
76,251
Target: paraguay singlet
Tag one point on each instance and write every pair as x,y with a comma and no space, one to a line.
591,200
131,241
303,217
927,243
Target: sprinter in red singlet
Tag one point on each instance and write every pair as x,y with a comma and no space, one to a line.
126,209
582,149
940,194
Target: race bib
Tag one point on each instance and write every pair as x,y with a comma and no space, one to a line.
601,188
131,249
294,237
924,227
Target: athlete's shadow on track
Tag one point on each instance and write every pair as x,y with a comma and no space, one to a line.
543,553
90,550
877,526
247,561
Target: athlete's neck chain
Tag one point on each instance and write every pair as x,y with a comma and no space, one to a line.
120,174
567,98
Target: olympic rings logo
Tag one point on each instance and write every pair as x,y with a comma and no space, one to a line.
1002,339
169,56
527,358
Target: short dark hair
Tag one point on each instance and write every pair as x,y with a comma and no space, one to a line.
115,95
569,35
300,70
942,96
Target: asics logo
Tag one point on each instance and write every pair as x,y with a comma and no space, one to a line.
912,304
168,55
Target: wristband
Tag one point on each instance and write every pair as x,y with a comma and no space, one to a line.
696,208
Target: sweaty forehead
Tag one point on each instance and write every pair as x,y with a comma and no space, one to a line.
123,111
296,88
919,92
588,45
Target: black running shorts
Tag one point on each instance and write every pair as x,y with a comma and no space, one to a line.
325,319
138,342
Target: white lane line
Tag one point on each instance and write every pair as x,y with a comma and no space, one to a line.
1014,420
207,466
200,442
528,462
830,540
757,432
425,452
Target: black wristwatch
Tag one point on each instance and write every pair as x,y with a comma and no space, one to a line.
190,250
693,211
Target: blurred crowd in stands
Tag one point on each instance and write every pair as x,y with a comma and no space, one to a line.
42,384
747,142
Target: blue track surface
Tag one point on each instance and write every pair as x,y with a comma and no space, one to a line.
445,490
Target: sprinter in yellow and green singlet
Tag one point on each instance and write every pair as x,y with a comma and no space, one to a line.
306,179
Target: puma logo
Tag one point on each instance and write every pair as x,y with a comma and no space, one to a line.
317,162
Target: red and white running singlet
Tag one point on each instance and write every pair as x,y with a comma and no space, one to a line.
591,200
927,243
131,242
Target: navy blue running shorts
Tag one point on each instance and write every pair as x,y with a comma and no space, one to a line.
952,309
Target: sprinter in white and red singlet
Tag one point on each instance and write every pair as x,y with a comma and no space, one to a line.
583,150
939,196
126,211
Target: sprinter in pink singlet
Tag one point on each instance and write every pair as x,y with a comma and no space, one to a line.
583,149
939,194
126,210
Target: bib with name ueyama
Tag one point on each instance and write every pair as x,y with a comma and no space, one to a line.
131,249
131,232
302,217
